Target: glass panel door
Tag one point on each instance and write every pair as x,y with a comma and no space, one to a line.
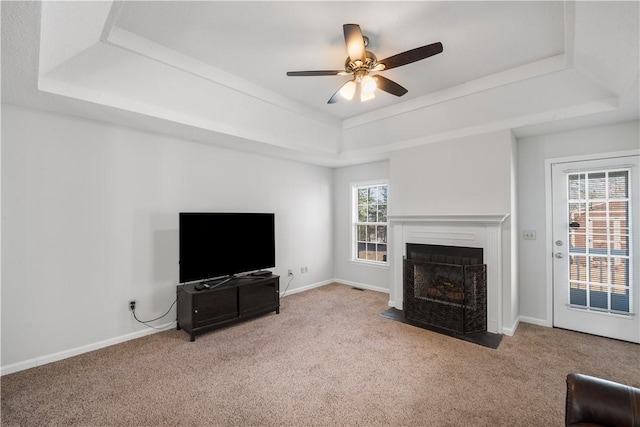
596,267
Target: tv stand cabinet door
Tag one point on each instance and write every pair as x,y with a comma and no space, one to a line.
215,306
259,297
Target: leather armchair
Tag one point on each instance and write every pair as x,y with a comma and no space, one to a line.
594,401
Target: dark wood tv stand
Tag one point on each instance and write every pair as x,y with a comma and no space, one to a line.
237,300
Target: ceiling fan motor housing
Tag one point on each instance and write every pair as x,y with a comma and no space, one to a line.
354,66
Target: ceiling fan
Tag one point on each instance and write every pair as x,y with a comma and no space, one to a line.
364,66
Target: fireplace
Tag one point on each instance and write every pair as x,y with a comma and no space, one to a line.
482,231
446,287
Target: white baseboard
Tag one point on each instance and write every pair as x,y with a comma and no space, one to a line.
535,321
361,285
303,288
509,331
328,282
43,360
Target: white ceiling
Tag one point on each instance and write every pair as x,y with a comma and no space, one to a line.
260,41
216,71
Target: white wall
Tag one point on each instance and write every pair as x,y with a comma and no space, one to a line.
466,175
357,274
90,221
532,153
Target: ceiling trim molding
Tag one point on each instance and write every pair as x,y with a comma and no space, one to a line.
604,105
126,40
67,29
525,72
125,104
110,22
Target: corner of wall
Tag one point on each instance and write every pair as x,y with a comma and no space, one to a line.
515,297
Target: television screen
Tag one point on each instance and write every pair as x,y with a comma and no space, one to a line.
217,244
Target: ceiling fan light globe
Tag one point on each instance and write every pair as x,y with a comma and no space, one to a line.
368,84
348,90
366,96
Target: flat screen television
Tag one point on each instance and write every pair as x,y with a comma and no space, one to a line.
222,244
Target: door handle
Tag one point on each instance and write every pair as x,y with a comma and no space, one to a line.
559,255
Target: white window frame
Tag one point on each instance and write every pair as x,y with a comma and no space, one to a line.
354,223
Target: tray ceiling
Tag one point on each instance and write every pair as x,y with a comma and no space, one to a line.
215,71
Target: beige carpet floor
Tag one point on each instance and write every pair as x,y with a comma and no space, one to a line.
328,359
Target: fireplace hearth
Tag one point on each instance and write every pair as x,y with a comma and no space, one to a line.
446,287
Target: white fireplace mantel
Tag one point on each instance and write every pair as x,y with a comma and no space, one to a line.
465,218
470,230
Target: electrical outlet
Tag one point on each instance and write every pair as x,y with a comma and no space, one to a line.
132,305
529,234
289,272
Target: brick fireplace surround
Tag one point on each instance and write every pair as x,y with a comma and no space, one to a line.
478,231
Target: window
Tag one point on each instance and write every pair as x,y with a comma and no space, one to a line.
370,222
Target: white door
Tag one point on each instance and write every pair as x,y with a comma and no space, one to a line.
596,250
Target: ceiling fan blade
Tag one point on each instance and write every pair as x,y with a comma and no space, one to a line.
355,42
412,55
389,86
316,73
334,98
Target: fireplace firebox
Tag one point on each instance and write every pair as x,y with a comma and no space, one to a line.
446,287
